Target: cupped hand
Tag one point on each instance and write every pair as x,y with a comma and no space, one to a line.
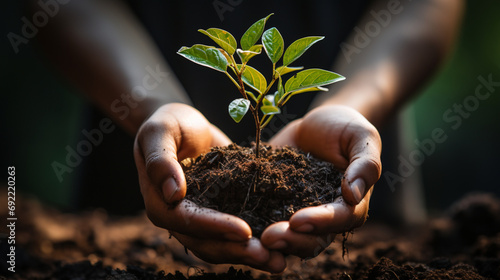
173,133
342,136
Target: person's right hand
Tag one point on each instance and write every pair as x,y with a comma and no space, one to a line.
341,135
173,133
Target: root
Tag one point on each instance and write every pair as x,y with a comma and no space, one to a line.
345,250
254,182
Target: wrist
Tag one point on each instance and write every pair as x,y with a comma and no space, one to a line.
131,110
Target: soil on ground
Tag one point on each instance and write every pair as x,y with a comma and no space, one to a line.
461,243
261,190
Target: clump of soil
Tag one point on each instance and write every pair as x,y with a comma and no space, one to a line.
260,191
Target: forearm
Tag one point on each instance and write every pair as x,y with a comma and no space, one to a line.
391,68
102,48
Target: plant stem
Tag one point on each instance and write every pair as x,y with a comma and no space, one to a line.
249,93
266,121
257,133
231,78
255,113
254,109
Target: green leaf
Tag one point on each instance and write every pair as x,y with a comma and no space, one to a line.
282,70
249,93
252,35
273,44
298,48
238,108
311,78
280,86
254,79
268,100
223,38
309,89
279,93
205,55
246,55
285,97
270,110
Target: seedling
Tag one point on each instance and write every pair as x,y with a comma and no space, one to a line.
221,58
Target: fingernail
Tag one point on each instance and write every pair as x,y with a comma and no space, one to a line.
358,189
278,245
305,228
236,237
169,189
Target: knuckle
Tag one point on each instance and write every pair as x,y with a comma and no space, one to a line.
154,160
156,167
376,166
368,167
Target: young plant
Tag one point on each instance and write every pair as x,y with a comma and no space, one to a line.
241,74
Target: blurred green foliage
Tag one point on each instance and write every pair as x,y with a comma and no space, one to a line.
39,114
469,159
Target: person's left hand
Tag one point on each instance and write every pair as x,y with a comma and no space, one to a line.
342,136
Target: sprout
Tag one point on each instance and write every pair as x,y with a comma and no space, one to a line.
252,85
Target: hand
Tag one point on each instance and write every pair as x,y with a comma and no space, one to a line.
345,138
173,133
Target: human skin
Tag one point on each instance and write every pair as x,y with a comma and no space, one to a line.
384,76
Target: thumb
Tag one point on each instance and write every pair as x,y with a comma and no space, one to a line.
157,162
164,171
364,168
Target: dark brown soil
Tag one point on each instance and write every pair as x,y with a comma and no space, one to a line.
260,191
93,245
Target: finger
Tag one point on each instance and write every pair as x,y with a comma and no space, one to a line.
172,133
322,133
347,140
162,174
185,217
190,219
159,144
156,159
287,135
365,166
218,137
336,217
279,236
250,252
